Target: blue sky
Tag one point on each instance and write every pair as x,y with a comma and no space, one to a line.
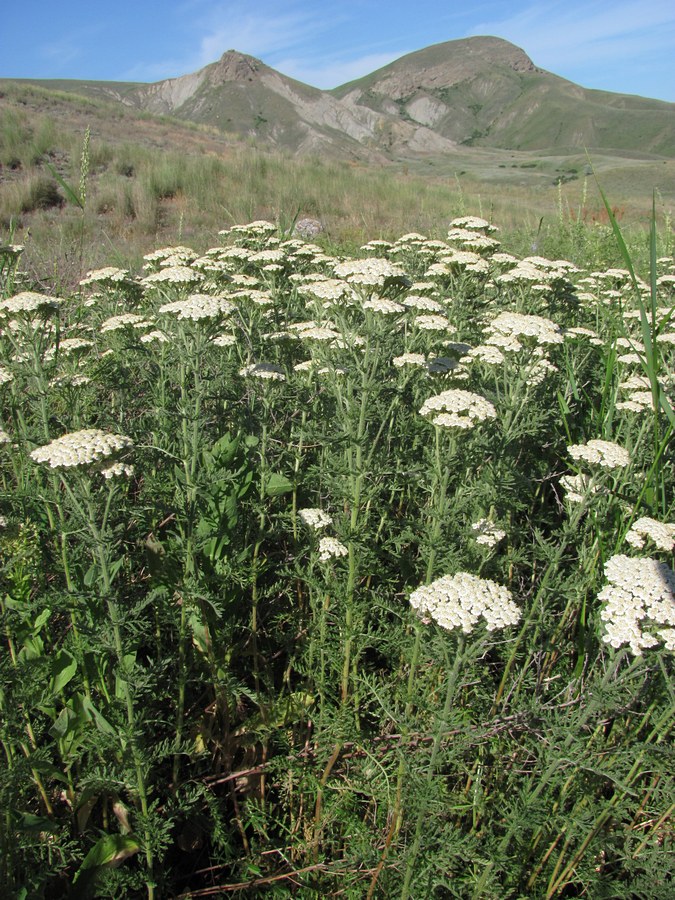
626,45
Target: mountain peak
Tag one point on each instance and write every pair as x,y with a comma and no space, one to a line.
236,66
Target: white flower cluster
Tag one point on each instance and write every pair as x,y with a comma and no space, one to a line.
384,306
5,375
536,329
267,371
225,340
637,402
600,453
173,275
661,533
259,298
259,228
409,359
70,380
487,533
117,470
125,320
426,304
108,275
577,487
81,448
458,409
639,598
267,256
371,271
317,333
432,323
314,518
330,289
489,354
199,306
4,437
153,336
459,601
164,253
331,548
473,223
29,302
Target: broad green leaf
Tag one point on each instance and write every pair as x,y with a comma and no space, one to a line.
277,485
33,648
102,724
41,619
109,852
30,823
64,666
200,634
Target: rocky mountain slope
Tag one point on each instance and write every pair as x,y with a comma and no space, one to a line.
480,92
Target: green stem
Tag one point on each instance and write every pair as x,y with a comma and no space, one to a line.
431,770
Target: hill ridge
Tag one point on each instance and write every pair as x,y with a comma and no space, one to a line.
479,92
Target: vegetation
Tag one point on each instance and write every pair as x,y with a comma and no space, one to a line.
339,574
328,568
151,180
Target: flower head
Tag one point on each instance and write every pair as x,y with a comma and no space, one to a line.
267,371
487,533
81,448
315,518
30,302
639,597
662,534
198,306
459,601
606,454
457,409
331,548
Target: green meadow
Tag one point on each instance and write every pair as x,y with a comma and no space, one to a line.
331,566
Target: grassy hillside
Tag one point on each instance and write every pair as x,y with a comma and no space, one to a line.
152,179
486,92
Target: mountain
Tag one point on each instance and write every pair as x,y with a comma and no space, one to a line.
481,93
484,91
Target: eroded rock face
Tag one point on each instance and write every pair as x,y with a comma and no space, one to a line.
234,66
167,96
426,110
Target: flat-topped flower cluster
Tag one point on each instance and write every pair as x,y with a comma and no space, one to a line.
461,600
457,408
81,448
639,603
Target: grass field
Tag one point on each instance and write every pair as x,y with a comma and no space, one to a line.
329,567
339,574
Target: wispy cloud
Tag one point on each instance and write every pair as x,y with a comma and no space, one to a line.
60,52
260,30
332,73
559,35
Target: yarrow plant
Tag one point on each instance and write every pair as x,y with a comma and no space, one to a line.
87,447
459,601
606,454
639,603
424,667
457,408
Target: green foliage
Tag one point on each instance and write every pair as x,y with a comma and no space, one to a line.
213,677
